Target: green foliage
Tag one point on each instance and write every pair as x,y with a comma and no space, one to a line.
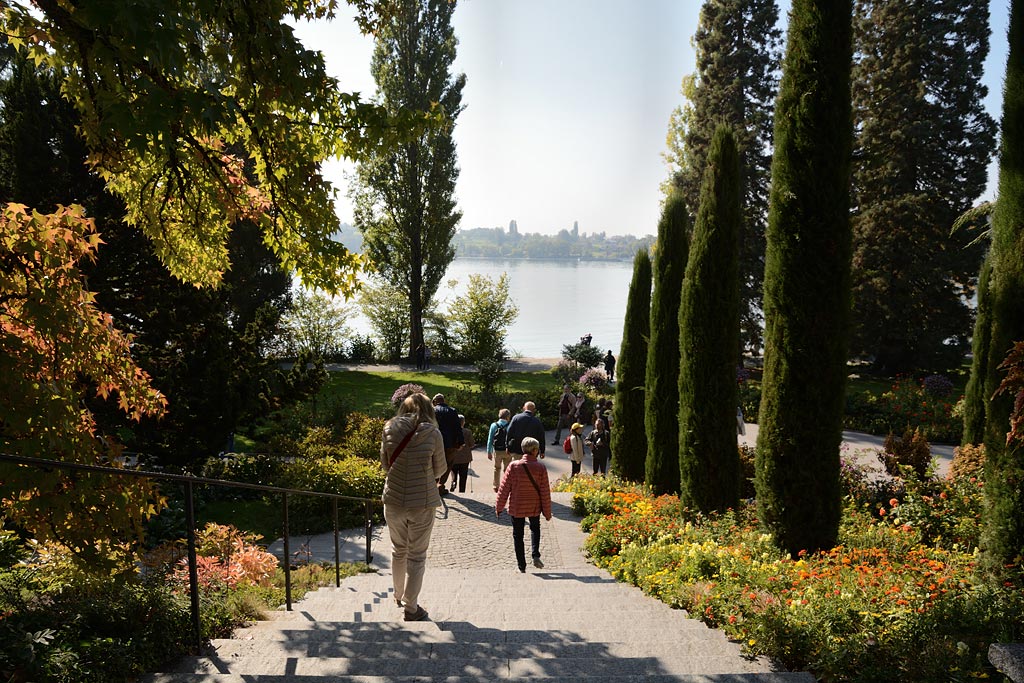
807,283
489,374
247,468
974,395
175,149
363,436
738,47
480,319
629,437
405,197
1004,468
387,309
922,150
661,409
909,450
709,465
349,477
316,325
585,356
905,405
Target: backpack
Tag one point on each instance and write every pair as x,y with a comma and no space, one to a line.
500,437
567,444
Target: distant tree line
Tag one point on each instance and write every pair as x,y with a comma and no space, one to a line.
499,243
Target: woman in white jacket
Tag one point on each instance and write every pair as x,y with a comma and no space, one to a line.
412,452
576,441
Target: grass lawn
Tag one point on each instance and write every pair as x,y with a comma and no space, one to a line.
370,392
258,516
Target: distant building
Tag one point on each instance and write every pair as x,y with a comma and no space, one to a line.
513,228
575,228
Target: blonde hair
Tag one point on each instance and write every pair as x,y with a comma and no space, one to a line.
420,407
530,445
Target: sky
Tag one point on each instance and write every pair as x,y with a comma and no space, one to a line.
567,105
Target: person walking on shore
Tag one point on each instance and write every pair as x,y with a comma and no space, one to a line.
412,452
497,445
609,366
526,490
523,425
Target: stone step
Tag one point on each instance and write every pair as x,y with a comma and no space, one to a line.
494,668
296,644
627,608
655,678
469,633
463,619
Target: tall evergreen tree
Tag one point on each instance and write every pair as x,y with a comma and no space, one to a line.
661,411
405,199
1003,540
629,438
974,395
807,283
709,324
923,145
738,48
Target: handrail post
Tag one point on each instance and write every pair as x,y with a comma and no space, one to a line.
193,566
337,550
369,530
287,554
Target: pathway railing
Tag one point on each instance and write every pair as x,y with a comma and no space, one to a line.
190,519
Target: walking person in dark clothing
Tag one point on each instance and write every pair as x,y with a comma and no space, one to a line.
421,356
451,432
523,425
463,457
599,441
565,406
609,366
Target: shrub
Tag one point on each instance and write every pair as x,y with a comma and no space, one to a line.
489,373
938,386
360,349
404,391
363,436
968,461
566,371
587,355
595,380
910,450
748,455
245,468
349,477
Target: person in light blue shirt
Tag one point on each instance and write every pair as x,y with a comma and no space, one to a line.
497,445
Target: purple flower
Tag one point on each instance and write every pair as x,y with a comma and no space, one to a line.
405,391
594,379
937,385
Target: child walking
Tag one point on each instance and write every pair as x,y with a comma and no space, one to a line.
525,488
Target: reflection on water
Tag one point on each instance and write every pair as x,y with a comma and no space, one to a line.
559,301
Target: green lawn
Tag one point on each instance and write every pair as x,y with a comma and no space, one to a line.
258,516
370,392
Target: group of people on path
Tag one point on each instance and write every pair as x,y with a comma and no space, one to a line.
424,443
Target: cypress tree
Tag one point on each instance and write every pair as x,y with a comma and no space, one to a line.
974,395
922,151
738,46
661,414
807,283
629,438
1003,539
709,324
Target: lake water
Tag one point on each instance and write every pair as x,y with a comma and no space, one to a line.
559,301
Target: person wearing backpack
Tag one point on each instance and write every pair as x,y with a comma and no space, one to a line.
497,445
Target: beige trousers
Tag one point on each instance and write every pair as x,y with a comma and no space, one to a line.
410,537
502,459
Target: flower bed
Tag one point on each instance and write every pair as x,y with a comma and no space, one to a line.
898,599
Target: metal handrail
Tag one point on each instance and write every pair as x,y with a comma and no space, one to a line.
189,481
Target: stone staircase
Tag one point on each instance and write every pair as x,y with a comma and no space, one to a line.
567,622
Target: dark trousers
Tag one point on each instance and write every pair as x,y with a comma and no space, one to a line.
600,464
575,468
449,455
518,530
460,472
